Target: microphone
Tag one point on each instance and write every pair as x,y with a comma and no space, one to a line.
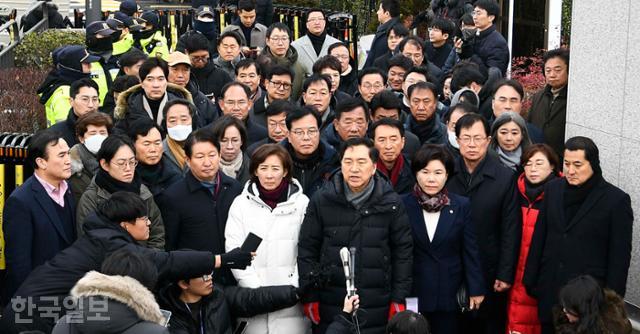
347,266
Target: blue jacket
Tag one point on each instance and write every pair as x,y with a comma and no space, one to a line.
451,259
379,44
33,231
492,49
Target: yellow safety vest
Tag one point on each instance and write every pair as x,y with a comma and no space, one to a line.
100,77
123,45
155,45
58,105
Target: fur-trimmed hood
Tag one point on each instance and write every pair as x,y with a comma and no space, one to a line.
122,289
122,105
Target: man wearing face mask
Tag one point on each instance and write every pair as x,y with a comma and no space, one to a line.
315,43
72,62
122,38
91,130
84,99
99,43
203,24
150,39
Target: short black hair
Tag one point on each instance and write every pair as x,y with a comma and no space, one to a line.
491,6
203,135
464,76
513,83
247,5
408,322
248,62
414,40
124,82
430,152
111,145
84,82
131,57
591,152
561,53
327,61
466,19
141,128
391,6
196,42
316,78
318,10
401,61
193,112
422,85
278,107
399,30
443,24
352,142
150,64
279,26
369,71
468,120
38,143
300,112
337,45
388,122
349,104
223,123
226,87
231,34
123,206
279,70
464,107
420,70
385,99
126,262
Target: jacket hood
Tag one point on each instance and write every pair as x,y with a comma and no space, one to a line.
96,225
80,160
122,105
123,289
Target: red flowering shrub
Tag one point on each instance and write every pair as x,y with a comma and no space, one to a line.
20,109
528,71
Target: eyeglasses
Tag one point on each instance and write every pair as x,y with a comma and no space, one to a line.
201,59
312,133
370,86
283,85
239,103
468,140
279,39
86,99
207,277
124,163
273,124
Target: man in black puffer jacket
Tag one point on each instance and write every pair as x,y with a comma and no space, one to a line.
356,208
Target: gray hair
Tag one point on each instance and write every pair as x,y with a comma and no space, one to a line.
505,118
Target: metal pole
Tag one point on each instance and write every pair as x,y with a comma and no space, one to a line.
510,37
93,11
554,24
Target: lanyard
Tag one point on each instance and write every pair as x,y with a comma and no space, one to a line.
201,318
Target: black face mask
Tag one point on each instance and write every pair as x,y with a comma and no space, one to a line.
143,34
116,36
99,45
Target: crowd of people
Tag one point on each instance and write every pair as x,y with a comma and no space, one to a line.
462,212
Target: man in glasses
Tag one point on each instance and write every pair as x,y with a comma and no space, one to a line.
84,99
235,101
371,81
278,83
316,42
279,52
351,121
313,159
204,72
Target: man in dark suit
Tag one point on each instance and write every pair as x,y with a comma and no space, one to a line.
584,228
495,214
39,217
388,15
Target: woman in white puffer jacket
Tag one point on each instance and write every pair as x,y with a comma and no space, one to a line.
271,206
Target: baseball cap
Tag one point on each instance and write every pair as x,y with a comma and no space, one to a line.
71,56
150,17
178,57
99,28
205,13
126,20
129,7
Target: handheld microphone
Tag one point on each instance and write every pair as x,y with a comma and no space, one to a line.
347,266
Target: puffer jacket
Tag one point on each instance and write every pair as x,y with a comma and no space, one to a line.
275,262
522,311
84,166
95,195
381,234
130,107
313,174
112,304
266,59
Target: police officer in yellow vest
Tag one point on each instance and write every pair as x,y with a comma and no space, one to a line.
150,39
99,43
72,62
123,25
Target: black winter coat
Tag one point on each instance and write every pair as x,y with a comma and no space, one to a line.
349,83
596,242
210,79
194,218
495,213
312,175
57,276
166,175
381,234
213,43
207,112
67,129
550,115
223,304
490,49
379,44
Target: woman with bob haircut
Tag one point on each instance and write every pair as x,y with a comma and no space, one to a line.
509,138
232,135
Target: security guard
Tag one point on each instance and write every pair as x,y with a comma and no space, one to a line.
99,43
72,62
150,39
123,26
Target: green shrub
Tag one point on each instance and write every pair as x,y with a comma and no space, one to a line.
35,49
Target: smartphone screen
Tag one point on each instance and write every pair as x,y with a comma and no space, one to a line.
242,327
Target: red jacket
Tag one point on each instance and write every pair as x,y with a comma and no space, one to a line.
523,309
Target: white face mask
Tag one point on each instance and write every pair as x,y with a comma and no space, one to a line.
179,132
94,142
452,139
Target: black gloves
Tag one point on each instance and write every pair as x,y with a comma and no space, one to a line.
236,259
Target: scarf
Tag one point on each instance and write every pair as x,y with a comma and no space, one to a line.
533,191
89,161
309,162
358,199
422,129
178,152
208,29
431,203
111,185
574,196
212,186
231,168
275,196
317,41
510,159
149,174
154,107
394,173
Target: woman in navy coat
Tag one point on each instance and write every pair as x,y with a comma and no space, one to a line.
445,249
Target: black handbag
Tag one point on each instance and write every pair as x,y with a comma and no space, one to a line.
462,296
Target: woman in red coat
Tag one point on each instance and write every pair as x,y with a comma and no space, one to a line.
540,166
